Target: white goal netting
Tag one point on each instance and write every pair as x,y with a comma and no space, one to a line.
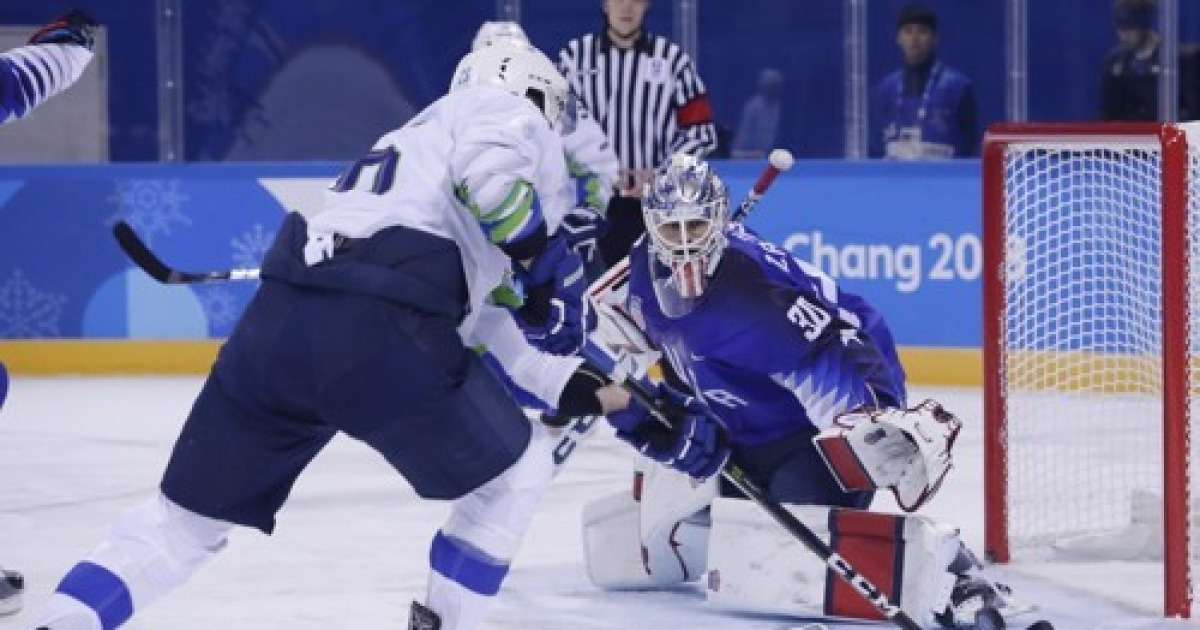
1081,324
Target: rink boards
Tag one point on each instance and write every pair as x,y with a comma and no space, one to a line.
905,235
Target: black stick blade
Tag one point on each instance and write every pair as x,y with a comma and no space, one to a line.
135,248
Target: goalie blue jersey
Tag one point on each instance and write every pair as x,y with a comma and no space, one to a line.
773,344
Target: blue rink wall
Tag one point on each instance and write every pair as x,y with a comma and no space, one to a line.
905,235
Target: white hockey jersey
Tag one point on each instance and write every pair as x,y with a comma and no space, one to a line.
591,159
31,74
480,167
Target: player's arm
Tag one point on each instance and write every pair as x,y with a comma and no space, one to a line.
55,58
810,345
495,167
592,162
562,382
696,133
592,165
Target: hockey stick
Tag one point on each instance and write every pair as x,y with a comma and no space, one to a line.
600,359
779,161
140,254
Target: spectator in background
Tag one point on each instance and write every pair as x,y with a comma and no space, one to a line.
1129,85
925,110
758,126
647,96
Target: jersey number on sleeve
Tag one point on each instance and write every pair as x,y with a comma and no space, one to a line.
383,161
811,318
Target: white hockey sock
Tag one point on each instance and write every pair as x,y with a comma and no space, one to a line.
62,612
459,607
153,548
469,557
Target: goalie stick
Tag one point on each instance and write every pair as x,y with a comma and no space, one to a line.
137,251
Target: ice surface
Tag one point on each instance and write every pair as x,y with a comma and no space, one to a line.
350,548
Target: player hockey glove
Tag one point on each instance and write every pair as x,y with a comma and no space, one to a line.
72,27
694,444
555,315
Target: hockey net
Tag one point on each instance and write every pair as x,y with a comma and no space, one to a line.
1090,346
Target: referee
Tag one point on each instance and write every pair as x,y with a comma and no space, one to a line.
645,93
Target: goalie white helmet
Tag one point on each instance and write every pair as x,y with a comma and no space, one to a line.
500,33
686,207
524,72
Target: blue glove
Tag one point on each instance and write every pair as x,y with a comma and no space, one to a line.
72,27
555,315
582,227
694,444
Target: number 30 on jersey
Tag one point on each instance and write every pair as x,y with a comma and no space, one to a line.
811,319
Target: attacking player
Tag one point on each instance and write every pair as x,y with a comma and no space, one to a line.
364,324
53,60
782,356
590,158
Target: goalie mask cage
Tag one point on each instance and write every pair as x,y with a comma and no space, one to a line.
1090,343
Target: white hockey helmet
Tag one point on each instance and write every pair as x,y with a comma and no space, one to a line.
524,72
499,33
686,207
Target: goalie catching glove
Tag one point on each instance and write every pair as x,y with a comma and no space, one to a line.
694,443
906,450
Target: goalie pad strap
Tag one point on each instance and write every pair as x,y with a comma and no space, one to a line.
874,545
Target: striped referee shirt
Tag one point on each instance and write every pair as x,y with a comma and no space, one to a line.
648,97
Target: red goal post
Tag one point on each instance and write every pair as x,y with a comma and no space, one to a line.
1090,258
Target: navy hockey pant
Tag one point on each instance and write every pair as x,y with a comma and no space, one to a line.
305,363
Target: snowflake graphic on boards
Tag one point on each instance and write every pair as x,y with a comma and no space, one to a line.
251,246
27,313
220,306
152,206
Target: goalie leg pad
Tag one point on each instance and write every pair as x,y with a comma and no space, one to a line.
674,533
612,549
656,535
756,566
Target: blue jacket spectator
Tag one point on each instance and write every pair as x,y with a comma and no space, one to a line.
925,110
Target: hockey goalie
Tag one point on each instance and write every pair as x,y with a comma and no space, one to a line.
806,380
